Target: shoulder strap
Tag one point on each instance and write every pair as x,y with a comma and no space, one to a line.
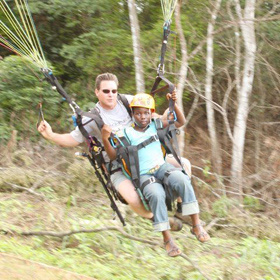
124,101
168,138
158,123
95,115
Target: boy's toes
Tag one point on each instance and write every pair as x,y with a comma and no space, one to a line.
172,249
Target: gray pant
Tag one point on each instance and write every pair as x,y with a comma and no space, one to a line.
179,185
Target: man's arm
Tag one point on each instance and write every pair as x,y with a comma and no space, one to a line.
65,140
106,133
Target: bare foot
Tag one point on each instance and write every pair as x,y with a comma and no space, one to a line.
200,233
172,249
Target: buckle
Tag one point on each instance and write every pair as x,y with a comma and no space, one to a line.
152,180
155,138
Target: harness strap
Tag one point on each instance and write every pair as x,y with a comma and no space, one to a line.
175,147
134,165
166,135
145,143
169,194
124,101
94,114
124,142
150,181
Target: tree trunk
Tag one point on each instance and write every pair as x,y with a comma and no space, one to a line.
215,147
183,71
248,33
135,31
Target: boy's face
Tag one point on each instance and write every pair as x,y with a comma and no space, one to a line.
142,116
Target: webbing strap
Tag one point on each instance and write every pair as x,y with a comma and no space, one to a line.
95,116
147,142
123,99
166,32
134,165
150,181
175,147
166,135
169,194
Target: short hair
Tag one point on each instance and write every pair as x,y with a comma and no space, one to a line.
105,77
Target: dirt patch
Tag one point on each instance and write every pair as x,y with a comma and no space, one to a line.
15,268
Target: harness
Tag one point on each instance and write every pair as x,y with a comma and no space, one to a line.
96,148
127,156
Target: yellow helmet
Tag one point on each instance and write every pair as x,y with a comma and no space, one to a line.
143,100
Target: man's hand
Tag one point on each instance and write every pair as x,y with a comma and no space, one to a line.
45,129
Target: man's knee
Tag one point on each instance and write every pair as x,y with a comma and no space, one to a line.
127,191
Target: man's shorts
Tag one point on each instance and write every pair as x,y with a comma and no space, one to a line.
117,178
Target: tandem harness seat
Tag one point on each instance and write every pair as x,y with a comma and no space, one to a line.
127,156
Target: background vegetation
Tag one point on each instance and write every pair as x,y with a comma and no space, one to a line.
43,188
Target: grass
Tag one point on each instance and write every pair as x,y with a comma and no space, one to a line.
244,245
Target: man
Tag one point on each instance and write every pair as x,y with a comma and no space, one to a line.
114,114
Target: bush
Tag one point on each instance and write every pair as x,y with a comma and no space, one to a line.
21,92
222,206
252,204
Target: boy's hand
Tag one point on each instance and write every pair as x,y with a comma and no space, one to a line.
106,131
172,95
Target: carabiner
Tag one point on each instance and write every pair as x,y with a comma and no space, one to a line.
174,116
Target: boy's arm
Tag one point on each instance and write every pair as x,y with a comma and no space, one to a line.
106,133
180,116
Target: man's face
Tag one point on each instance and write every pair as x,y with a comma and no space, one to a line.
107,94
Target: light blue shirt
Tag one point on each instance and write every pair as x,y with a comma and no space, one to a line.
150,157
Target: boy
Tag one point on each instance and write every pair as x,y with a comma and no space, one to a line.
152,165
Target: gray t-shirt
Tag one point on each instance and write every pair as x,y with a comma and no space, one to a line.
117,118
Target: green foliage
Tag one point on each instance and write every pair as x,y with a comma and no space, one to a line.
5,131
206,168
21,92
222,206
252,203
74,200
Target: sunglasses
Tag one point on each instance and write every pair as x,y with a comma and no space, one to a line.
108,91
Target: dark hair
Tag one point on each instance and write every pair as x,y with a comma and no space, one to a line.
105,77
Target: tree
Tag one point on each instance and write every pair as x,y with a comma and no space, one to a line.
215,146
135,31
183,70
246,23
